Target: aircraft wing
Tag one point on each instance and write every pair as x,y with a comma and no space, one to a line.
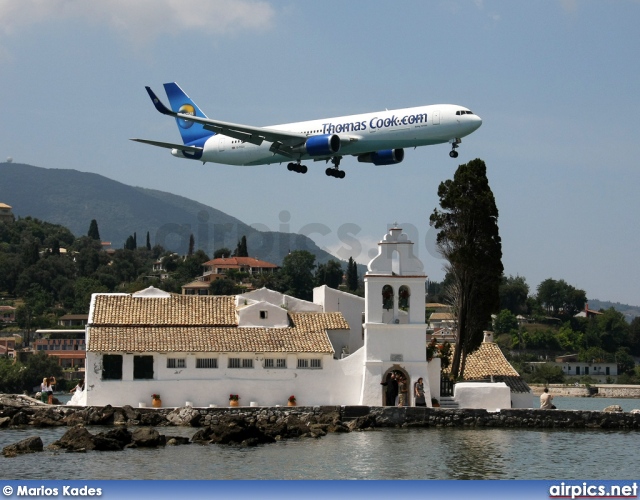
169,145
282,141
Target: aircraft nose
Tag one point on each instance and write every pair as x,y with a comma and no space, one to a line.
477,121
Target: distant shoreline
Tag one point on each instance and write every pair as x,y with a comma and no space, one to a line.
589,391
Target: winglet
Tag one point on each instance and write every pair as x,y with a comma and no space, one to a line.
158,103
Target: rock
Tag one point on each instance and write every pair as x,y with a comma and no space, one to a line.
120,435
613,409
4,421
635,411
29,445
186,416
75,439
19,419
177,440
147,437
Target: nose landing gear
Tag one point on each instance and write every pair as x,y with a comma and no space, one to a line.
454,144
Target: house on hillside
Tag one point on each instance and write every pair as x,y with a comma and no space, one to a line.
67,346
219,267
263,345
70,320
6,215
587,313
7,314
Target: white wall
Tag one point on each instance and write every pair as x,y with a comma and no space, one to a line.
337,383
482,395
351,306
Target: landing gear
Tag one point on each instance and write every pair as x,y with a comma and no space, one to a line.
454,144
297,167
335,170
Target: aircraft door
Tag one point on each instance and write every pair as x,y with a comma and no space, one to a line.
435,117
222,142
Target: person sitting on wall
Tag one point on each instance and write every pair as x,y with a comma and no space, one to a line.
546,400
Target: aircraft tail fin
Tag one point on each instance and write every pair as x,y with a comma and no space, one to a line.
193,134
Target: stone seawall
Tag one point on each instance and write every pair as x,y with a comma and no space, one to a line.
334,418
593,391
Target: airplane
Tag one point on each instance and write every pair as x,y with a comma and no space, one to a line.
378,138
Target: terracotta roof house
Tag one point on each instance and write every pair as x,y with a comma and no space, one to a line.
5,213
202,348
242,264
489,364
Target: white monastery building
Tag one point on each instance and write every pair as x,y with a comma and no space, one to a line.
265,346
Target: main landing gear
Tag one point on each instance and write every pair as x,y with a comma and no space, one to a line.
335,170
454,144
296,167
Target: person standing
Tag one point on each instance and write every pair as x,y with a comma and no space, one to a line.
546,400
418,393
391,389
402,388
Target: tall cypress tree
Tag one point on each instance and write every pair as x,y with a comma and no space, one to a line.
93,233
469,239
352,275
148,241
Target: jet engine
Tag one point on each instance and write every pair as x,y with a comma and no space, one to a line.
320,145
384,157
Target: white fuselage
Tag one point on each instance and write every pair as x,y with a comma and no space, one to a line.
359,134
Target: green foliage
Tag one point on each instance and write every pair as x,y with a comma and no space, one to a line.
561,299
224,286
241,248
352,275
505,322
545,373
468,237
514,293
93,232
329,274
297,274
19,377
222,253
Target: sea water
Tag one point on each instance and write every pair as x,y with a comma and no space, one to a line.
432,453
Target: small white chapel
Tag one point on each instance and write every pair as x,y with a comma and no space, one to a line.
264,346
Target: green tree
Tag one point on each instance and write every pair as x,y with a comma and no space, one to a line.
93,232
560,298
297,274
469,239
222,253
514,292
329,274
505,322
148,242
546,373
224,286
241,248
192,245
352,275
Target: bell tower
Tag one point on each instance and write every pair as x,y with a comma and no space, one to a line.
394,325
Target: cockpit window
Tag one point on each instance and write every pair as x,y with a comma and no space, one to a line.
464,112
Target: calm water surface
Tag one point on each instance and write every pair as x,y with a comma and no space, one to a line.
413,453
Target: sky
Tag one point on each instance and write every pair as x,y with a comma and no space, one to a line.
555,82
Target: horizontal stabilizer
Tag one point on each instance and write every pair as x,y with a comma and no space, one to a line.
169,145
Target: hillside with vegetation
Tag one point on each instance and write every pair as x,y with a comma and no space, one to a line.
72,199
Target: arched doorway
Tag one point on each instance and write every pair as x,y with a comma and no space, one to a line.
387,392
